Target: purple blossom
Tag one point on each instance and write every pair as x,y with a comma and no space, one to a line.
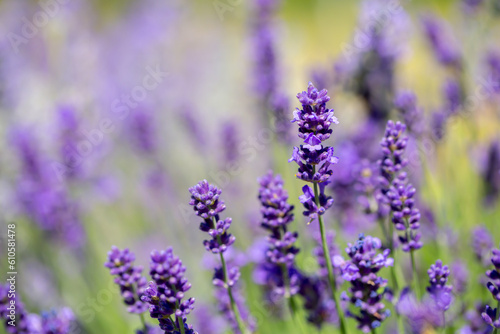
319,306
367,289
206,204
491,173
54,322
482,244
452,92
444,47
143,131
166,293
460,276
475,322
129,278
406,103
422,315
492,66
439,291
22,322
229,137
490,315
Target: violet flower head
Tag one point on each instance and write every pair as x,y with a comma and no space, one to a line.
460,276
490,317
143,131
444,47
7,297
452,92
207,205
491,174
129,278
475,323
393,145
367,290
439,291
56,321
492,67
68,124
319,306
405,216
482,244
406,103
314,159
230,142
471,6
165,295
281,250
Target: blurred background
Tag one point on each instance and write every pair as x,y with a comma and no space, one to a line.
111,110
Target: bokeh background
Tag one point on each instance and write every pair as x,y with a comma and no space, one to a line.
71,76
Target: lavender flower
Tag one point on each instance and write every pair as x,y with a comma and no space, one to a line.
54,322
206,202
277,214
68,128
482,244
166,293
319,307
367,289
475,322
490,315
444,47
314,159
491,174
492,65
394,185
17,321
439,291
143,132
471,6
460,276
406,103
229,142
129,278
453,95
422,316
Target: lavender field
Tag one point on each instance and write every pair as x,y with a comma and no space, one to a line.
249,167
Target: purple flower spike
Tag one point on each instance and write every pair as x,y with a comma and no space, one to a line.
482,244
367,289
444,47
439,291
128,277
206,204
22,324
166,293
314,121
280,252
490,315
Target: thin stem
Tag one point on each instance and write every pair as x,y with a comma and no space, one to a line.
331,276
288,295
374,331
236,312
415,274
143,321
181,321
498,310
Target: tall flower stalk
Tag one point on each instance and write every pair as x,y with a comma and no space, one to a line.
279,265
314,160
399,194
206,202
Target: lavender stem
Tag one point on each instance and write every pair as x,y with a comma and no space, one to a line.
326,251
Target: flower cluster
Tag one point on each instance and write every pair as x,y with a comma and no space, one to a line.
482,244
490,315
319,307
206,202
406,103
18,321
367,289
166,293
444,47
207,205
280,252
399,194
128,277
438,290
314,159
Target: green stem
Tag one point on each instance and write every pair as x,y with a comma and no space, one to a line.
374,331
415,274
498,309
143,321
234,308
181,321
288,296
331,276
